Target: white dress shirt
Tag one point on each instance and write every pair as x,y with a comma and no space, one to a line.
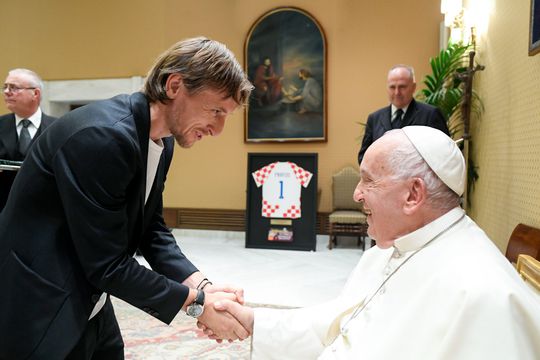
35,123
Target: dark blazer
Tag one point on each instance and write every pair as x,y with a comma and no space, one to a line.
9,149
417,113
73,221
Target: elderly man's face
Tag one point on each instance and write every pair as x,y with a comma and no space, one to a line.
400,87
20,96
383,197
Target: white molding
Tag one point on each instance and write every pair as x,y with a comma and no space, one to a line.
444,35
59,95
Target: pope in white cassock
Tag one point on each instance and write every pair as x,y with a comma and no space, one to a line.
434,287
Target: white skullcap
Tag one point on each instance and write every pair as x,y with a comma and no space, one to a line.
441,154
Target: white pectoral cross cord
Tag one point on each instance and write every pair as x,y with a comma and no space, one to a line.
344,329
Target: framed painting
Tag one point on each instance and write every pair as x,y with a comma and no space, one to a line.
285,57
534,32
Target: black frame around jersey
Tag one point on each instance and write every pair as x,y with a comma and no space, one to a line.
303,228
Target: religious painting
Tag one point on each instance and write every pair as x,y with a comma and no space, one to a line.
285,57
534,32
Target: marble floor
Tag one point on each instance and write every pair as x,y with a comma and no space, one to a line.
271,277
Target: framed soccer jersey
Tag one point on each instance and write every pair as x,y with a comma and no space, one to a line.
281,201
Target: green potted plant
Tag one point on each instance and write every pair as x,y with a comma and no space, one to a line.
444,88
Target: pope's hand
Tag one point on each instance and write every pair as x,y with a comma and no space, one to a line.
221,325
243,314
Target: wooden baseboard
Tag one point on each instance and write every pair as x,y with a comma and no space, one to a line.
219,219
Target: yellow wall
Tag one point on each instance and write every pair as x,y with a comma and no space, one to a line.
63,39
506,140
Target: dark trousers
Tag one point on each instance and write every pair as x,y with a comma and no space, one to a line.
101,339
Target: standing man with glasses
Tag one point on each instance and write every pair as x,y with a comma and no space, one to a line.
22,94
403,110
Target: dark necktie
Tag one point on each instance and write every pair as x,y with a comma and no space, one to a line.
396,123
24,137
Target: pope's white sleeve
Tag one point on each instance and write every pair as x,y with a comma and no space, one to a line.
291,333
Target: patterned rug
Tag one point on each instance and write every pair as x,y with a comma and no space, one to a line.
148,338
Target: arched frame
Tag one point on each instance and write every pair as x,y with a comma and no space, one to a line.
285,59
534,28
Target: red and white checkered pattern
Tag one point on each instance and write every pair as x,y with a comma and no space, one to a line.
261,175
268,210
293,212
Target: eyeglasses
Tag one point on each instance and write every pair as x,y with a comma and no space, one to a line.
14,88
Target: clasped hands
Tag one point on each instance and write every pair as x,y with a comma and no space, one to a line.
225,317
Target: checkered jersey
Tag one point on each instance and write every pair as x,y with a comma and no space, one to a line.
282,182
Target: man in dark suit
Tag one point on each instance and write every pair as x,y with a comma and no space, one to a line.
22,94
90,194
403,110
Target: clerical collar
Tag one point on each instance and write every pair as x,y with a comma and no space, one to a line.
418,238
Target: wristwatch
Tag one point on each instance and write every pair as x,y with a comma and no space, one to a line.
196,308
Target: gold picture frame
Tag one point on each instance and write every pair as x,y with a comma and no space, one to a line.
534,28
285,57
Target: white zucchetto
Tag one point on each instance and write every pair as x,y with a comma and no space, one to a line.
441,154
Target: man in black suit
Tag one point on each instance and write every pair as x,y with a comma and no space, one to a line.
22,94
90,194
403,110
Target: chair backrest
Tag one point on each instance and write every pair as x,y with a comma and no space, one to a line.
343,184
524,240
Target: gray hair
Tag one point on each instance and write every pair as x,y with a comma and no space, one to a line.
405,163
410,69
33,78
203,64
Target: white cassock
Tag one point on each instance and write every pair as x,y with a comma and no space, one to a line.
456,297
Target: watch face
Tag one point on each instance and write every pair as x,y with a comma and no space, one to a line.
195,310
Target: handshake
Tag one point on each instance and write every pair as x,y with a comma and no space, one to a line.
225,317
